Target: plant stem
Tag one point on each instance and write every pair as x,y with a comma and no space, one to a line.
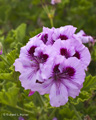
51,21
51,115
50,15
4,60
40,99
24,110
19,108
79,117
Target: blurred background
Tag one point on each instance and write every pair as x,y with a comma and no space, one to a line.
79,13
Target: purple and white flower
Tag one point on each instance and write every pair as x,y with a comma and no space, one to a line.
66,77
54,63
46,36
64,33
30,63
83,37
81,52
64,48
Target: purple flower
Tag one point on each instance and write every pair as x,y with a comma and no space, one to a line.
64,33
54,62
83,37
1,49
55,1
30,63
21,118
46,36
64,48
28,50
73,48
31,93
1,52
64,78
81,52
54,118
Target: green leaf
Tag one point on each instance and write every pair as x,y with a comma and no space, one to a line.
12,56
15,36
89,84
83,96
2,65
9,94
66,114
20,32
6,76
94,53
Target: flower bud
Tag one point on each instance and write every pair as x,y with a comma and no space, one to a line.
1,49
21,118
31,93
55,118
55,1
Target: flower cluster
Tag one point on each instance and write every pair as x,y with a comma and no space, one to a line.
54,62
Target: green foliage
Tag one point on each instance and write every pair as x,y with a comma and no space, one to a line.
89,84
7,94
12,56
15,36
66,114
86,92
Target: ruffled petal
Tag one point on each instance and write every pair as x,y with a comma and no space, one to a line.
83,37
58,95
73,89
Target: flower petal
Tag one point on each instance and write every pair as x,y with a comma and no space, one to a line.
58,95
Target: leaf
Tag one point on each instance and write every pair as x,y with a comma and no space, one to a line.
15,36
6,76
83,96
94,53
20,32
9,94
65,113
89,84
12,56
2,65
